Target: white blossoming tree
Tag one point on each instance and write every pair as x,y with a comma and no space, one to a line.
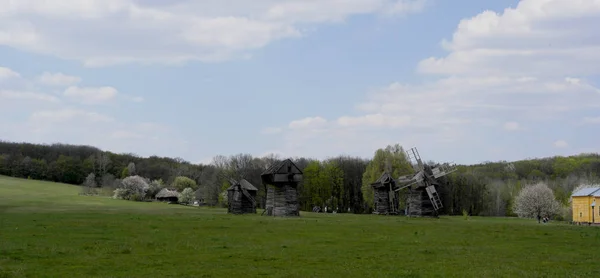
132,188
535,201
187,196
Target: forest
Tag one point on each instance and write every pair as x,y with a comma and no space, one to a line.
342,182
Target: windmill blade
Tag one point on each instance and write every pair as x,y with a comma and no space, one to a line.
247,194
405,186
443,170
415,159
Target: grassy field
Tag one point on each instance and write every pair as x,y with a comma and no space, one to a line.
48,230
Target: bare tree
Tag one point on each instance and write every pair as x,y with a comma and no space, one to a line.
269,160
103,161
536,201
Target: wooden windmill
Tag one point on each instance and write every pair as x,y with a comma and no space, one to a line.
241,197
422,197
385,198
281,181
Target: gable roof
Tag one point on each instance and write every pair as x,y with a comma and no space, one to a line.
385,178
247,185
244,184
592,191
276,167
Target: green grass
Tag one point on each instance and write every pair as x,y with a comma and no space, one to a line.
48,230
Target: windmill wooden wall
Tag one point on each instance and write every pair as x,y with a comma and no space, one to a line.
281,181
241,198
418,203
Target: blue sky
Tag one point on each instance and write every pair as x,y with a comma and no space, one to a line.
464,81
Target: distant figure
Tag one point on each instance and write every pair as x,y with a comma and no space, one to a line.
325,209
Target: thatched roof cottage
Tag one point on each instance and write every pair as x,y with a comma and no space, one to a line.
241,197
166,195
281,182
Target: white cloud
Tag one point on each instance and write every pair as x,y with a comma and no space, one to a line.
91,95
101,32
309,122
44,118
535,64
6,73
561,144
137,99
377,120
406,7
550,37
271,130
58,79
512,126
591,120
125,134
21,95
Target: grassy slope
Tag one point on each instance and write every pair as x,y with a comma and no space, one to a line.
47,230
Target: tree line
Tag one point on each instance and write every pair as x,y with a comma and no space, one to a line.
341,183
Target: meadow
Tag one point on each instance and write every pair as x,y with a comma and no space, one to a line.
49,230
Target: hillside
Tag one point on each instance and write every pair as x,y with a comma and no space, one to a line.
482,189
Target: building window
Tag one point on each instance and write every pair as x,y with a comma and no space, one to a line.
581,214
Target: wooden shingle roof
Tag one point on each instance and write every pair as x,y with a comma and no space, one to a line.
385,178
280,168
244,184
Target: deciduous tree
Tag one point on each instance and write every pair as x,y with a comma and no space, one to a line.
187,196
536,201
181,183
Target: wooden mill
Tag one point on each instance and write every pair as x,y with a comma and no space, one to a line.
281,184
422,197
241,197
386,199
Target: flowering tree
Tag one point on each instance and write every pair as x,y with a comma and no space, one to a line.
132,188
536,201
187,196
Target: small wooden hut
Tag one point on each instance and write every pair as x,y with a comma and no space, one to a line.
166,195
281,182
385,198
241,197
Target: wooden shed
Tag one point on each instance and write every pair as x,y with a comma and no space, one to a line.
166,195
385,198
281,182
581,203
241,197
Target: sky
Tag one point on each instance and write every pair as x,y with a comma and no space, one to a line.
464,81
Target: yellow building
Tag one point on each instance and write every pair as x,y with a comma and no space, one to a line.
584,206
